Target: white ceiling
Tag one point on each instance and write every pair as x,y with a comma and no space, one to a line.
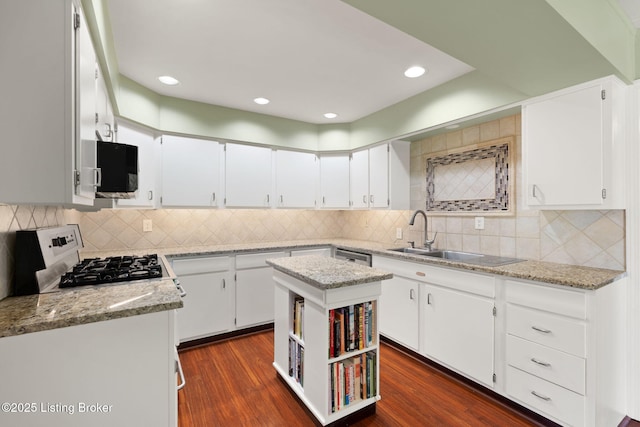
632,9
309,57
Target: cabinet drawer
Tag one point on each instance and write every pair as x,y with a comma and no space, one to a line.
475,283
552,365
561,333
553,400
562,301
201,265
257,259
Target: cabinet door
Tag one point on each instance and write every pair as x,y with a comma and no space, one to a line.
86,160
296,179
359,179
148,154
459,331
248,176
190,172
254,296
208,306
104,112
399,311
379,176
334,181
563,148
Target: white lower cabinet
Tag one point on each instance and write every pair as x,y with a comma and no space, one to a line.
254,288
117,372
208,306
399,311
459,331
558,351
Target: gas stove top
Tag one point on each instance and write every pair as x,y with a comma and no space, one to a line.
95,271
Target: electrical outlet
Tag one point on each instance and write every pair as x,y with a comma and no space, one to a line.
398,233
147,225
479,223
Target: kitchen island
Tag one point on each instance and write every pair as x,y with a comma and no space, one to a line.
326,342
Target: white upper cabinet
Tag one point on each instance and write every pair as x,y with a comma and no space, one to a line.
149,157
296,179
248,176
359,179
573,147
334,181
104,120
190,172
43,116
379,176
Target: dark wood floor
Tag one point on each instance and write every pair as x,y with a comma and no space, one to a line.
233,383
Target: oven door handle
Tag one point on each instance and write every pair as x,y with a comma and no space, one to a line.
183,293
179,371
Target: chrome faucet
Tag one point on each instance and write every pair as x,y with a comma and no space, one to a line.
427,242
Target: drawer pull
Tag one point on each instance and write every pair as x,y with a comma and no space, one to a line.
544,331
541,396
420,273
538,362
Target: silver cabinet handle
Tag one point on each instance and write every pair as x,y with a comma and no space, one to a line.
534,191
371,198
183,293
544,331
541,396
224,284
180,372
150,195
364,199
97,175
281,199
412,294
213,197
267,199
323,201
538,362
429,299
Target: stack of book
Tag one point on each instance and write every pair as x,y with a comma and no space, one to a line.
352,380
298,315
296,361
351,328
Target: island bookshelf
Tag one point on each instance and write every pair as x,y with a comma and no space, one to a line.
326,346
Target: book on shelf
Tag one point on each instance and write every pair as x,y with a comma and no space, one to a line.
351,328
296,361
298,316
352,380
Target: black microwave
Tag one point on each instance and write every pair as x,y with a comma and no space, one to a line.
118,166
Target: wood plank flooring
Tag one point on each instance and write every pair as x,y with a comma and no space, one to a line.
233,383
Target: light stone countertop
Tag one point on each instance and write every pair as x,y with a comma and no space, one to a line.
68,307
327,273
87,304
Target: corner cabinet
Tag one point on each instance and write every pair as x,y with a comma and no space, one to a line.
296,179
334,179
326,346
48,104
573,147
379,176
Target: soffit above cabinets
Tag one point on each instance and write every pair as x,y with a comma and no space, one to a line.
308,57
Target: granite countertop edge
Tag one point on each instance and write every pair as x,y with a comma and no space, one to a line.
73,307
327,273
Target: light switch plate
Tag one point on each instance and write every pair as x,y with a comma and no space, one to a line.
479,223
147,225
398,233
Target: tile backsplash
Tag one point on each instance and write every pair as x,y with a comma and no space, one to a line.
589,238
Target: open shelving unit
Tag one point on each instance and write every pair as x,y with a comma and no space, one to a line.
309,322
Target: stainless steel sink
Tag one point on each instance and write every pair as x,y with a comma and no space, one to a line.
466,257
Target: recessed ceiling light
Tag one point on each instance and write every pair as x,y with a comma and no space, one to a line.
261,101
415,71
330,115
168,80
